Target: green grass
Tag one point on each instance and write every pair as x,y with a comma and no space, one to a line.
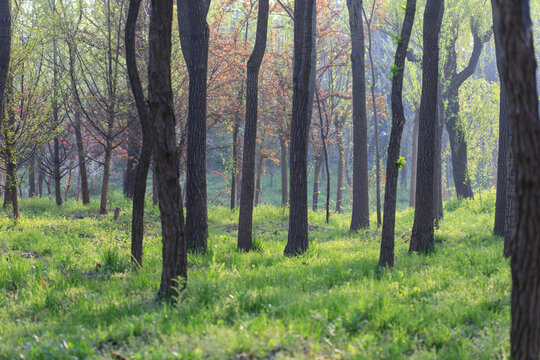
68,290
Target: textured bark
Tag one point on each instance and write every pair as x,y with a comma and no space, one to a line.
11,182
519,72
510,210
386,257
316,175
32,176
303,41
504,135
250,131
141,175
258,183
422,232
414,158
5,46
437,166
194,35
40,182
57,175
133,151
360,202
161,110
283,166
234,171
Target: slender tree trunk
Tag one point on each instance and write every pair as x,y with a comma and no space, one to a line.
105,181
422,232
155,187
234,171
57,175
245,224
32,176
316,174
258,183
360,206
303,41
161,111
40,182
414,158
510,211
141,175
283,165
194,35
437,171
504,136
5,46
519,65
11,180
341,165
134,149
398,122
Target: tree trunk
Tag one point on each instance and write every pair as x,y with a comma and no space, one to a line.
134,148
155,188
258,183
360,205
341,165
316,174
194,35
57,175
234,171
11,180
297,242
386,257
437,166
414,158
519,66
504,136
422,232
250,132
510,210
283,165
5,46
40,182
141,175
161,111
105,181
32,176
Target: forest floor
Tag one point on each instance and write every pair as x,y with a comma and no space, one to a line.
67,290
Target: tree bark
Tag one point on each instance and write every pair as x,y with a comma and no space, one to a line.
32,176
57,175
297,242
258,183
360,202
141,175
510,210
414,158
422,232
5,46
504,135
316,175
105,181
519,66
133,151
161,111
194,36
234,171
341,165
283,166
386,257
245,224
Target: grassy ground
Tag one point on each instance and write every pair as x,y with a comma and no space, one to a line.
67,290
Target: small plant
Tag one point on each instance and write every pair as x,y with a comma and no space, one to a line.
397,39
400,162
394,71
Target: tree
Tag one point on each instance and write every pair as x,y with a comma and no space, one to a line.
5,46
422,232
519,70
194,35
360,208
394,164
250,129
137,221
297,242
161,111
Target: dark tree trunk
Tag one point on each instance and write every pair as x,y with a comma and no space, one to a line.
134,148
32,176
105,181
341,165
161,111
141,175
405,167
258,183
5,46
414,158
40,182
283,166
398,122
510,210
437,166
360,201
316,175
422,232
250,131
11,182
303,41
504,136
194,35
519,70
57,175
155,188
234,171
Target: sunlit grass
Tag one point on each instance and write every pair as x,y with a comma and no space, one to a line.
67,289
